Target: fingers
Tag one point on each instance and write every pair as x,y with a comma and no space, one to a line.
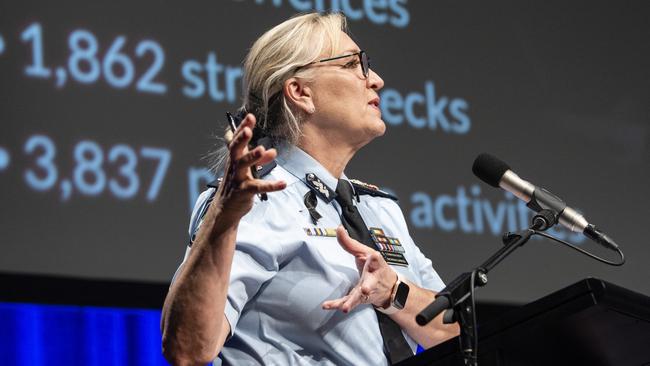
240,183
240,158
334,304
267,156
243,177
374,287
248,121
251,160
360,294
252,156
354,299
255,157
262,186
350,245
242,136
239,144
346,303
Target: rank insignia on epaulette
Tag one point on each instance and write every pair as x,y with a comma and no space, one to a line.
364,184
262,171
363,188
317,231
201,216
390,248
319,187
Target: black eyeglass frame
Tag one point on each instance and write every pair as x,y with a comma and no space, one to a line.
364,61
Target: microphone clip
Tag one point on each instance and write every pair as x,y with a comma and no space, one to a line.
545,219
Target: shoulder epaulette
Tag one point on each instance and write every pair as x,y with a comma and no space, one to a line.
370,189
199,216
262,171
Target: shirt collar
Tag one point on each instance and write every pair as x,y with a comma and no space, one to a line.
299,163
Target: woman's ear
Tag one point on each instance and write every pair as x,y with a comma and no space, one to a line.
299,94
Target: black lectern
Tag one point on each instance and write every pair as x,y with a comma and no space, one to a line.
592,322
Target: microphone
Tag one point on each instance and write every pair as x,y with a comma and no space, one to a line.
496,173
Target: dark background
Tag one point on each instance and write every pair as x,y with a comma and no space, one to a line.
559,90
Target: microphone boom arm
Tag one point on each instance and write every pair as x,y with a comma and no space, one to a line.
458,296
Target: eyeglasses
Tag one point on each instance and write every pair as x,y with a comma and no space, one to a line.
364,60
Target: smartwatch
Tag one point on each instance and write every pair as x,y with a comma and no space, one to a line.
398,297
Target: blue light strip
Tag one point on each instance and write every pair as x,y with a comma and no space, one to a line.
33,334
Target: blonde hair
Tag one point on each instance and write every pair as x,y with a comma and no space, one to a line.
277,56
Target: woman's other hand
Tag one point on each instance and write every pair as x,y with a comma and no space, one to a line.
376,277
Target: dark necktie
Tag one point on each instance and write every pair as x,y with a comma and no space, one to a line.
395,346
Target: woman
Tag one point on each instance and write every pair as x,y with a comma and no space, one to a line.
280,281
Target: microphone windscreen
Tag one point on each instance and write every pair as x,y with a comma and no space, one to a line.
489,169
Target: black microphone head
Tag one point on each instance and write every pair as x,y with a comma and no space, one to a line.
489,169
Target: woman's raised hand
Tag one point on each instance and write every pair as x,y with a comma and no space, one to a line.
238,187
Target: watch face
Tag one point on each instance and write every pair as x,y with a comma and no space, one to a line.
401,295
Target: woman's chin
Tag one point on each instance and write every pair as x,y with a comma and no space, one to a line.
381,128
373,132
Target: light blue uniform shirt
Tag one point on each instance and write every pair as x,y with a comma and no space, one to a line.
281,276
